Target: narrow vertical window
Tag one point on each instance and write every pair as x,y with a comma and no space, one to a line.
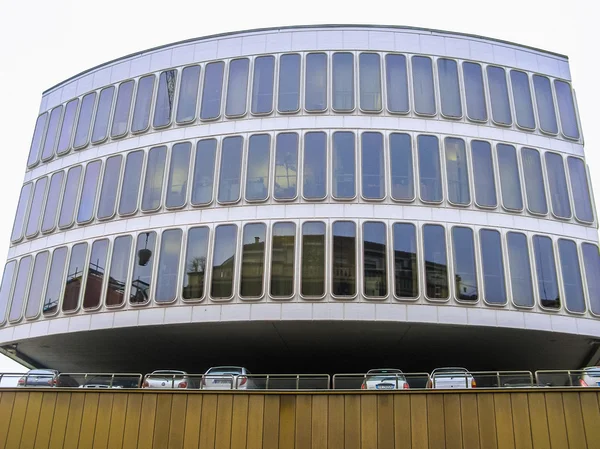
141,281
534,181
188,94
283,257
313,259
436,262
51,133
253,260
483,174
401,167
456,171
449,88
6,288
22,207
566,109
231,170
37,140
316,82
66,128
100,131
257,174
289,83
165,97
179,169
344,165
130,190
223,261
510,181
498,86
342,72
168,266
69,200
34,297
96,271
84,121
520,269
110,185
465,273
374,260
153,180
237,87
343,270
396,77
19,290
88,192
143,103
492,264
55,281
52,201
204,172
571,276
370,82
474,91
372,166
406,271
545,104
119,271
557,181
262,86
423,90
522,99
212,90
122,109
75,271
580,189
315,166
545,268
196,254
39,193
286,166
591,261
430,177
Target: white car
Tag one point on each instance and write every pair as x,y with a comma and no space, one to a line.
385,379
227,378
451,378
590,377
166,379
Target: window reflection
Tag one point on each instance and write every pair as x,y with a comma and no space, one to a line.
557,182
580,189
122,109
143,102
96,271
591,261
534,181
36,286
370,82
343,81
286,166
223,261
456,171
510,181
74,278
373,169
401,166
188,94
315,166
493,267
436,264
465,273
566,109
130,190
423,90
36,141
571,276
168,265
119,270
483,174
283,259
397,83
66,129
39,193
253,260
316,82
449,88
84,120
18,295
545,268
257,175
212,90
69,200
55,281
204,171
141,281
522,99
53,197
499,95
110,185
374,260
231,170
6,287
195,263
545,104
289,83
430,178
520,269
100,131
344,258
51,132
179,168
22,206
165,96
406,272
87,200
474,91
262,86
237,87
344,171
153,181
313,259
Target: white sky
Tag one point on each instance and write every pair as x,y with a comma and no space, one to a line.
45,42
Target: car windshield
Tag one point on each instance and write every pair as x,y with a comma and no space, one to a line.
387,377
231,370
41,371
594,372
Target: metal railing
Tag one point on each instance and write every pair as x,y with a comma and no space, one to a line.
99,380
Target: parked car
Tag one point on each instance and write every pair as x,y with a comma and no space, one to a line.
38,378
166,379
443,378
590,377
227,378
385,379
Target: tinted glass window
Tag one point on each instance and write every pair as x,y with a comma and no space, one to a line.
88,192
465,274
313,259
456,171
406,272
436,263
566,109
289,83
499,95
286,166
5,288
22,206
401,166
510,181
55,281
165,96
211,90
110,185
423,89
130,189
204,172
375,259
119,270
571,276
580,189
253,260
84,121
396,78
237,87
430,178
122,109
66,129
344,259
53,198
522,99
143,102
188,94
223,261
283,259
95,274
474,91
493,267
262,86
591,261
143,261
153,181
370,82
100,131
545,268
483,174
315,166
520,269
534,181
69,200
36,141
557,181
18,295
257,175
168,265
344,171
449,88
33,223
38,277
372,166
231,169
545,104
51,132
196,253
316,82
179,168
74,278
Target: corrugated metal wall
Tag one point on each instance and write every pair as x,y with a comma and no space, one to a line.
145,419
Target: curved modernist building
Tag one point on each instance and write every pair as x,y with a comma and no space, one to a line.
313,199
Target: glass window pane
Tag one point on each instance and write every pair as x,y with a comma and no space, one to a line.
122,109
344,170
289,83
456,171
188,94
95,274
168,266
179,168
401,166
465,273
141,282
165,96
534,181
499,95
253,260
557,181
100,131
195,263
493,267
566,109
33,223
22,206
286,166
257,175
262,86
53,197
343,81
36,141
370,82
344,259
18,295
55,281
88,192
119,271
6,287
231,170
110,185
204,172
580,189
69,200
237,87
375,260
545,104
545,268
474,91
430,177
436,262
396,77
483,174
66,129
591,261
51,132
316,82
74,279
130,189
449,88
372,166
313,259
223,261
522,99
510,181
143,102
406,272
82,132
153,180
520,269
315,166
423,90
283,259
571,276
211,90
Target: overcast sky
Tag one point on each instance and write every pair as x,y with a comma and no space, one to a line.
45,42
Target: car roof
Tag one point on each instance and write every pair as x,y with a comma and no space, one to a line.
385,371
450,369
167,371
227,368
42,371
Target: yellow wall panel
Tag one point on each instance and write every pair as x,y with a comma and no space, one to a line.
34,406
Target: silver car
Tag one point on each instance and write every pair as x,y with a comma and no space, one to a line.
166,379
39,378
451,378
227,378
590,377
385,379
